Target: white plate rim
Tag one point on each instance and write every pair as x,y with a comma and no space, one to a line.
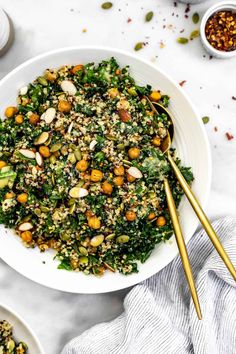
141,277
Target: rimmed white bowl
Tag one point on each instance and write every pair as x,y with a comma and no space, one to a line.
191,144
21,331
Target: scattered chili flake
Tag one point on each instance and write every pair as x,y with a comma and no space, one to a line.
181,83
182,31
220,31
175,3
186,16
138,46
162,44
182,40
205,119
187,9
216,129
129,20
84,30
149,16
234,98
106,5
229,136
195,18
210,57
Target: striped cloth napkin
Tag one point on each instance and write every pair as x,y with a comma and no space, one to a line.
159,315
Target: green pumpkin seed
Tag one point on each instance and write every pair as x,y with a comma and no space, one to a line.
72,158
72,208
10,345
97,240
44,209
64,150
72,146
37,211
83,251
110,237
42,81
64,237
26,218
149,16
83,260
182,40
80,183
78,155
56,147
205,119
106,5
195,18
194,34
120,147
48,141
122,239
138,46
53,179
111,137
71,201
132,91
52,159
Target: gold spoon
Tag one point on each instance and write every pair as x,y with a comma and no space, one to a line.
165,147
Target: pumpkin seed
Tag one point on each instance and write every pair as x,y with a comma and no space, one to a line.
25,226
111,137
80,183
48,141
37,212
149,16
83,251
72,208
10,346
71,201
120,147
72,146
205,119
78,155
122,239
56,147
106,5
71,158
65,237
110,237
195,18
52,159
194,34
41,139
97,240
83,260
182,40
42,81
138,46
53,179
44,209
132,91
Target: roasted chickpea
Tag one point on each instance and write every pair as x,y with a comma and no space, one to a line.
94,222
151,216
124,115
130,178
22,198
107,188
19,119
113,92
118,181
26,236
130,215
96,175
77,68
44,151
34,119
9,195
119,170
155,96
10,112
50,76
156,141
134,153
89,214
161,221
64,106
2,164
82,165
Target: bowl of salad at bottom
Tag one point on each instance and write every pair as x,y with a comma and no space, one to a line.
15,334
82,173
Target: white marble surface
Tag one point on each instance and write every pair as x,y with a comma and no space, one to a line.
44,25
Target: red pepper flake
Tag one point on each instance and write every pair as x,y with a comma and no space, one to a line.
187,9
186,16
229,136
234,98
129,20
175,3
182,31
181,83
216,129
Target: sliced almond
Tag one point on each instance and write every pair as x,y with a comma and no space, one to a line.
23,90
27,153
70,128
49,115
38,158
41,139
68,86
77,192
135,172
92,144
25,226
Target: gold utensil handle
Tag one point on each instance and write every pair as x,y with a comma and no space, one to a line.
202,217
182,247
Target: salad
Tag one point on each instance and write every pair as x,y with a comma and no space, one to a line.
81,169
8,345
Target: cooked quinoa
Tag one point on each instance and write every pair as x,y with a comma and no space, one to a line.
8,344
81,170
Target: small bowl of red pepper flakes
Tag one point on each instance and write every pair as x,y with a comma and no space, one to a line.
218,30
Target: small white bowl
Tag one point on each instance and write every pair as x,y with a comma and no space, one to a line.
21,330
221,6
5,30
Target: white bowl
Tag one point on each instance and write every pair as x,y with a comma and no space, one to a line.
21,331
225,6
192,147
4,30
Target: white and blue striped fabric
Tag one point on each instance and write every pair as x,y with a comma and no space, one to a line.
159,315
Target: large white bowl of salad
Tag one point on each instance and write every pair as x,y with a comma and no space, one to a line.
82,204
